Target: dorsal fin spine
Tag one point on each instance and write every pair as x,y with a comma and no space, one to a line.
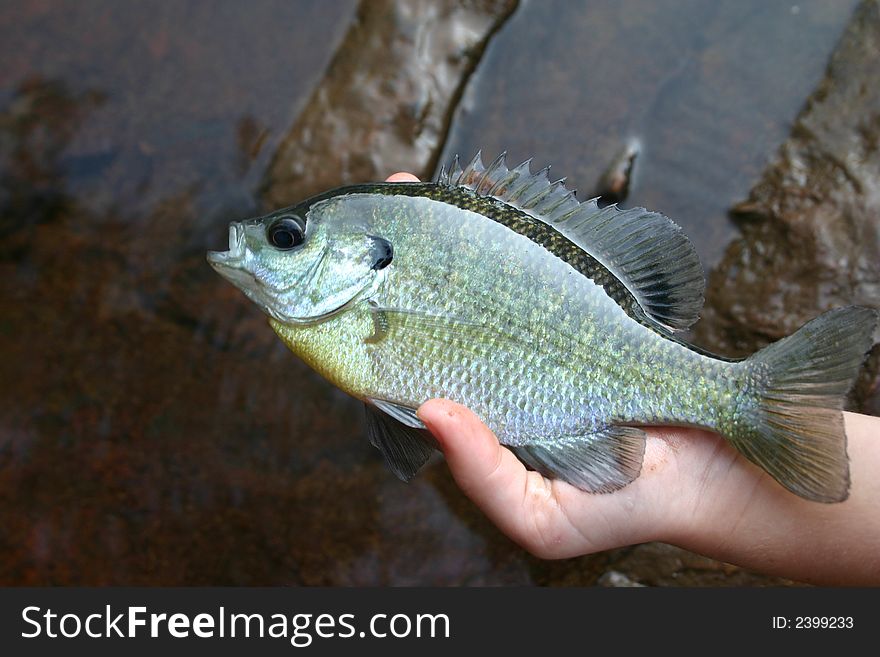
647,252
486,181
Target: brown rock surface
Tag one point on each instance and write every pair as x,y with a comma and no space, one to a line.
387,98
708,89
811,226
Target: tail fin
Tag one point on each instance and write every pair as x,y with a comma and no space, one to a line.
796,430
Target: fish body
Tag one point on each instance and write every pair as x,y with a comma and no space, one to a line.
533,347
554,321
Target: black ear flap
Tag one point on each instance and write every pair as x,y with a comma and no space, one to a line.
383,252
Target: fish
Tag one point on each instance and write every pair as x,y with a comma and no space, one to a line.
555,320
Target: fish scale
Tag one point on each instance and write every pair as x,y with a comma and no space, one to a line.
554,321
566,370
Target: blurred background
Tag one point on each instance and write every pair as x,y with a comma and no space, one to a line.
154,431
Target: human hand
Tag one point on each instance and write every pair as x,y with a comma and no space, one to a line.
553,519
401,177
694,490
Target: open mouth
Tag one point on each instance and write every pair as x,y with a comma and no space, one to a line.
221,260
230,264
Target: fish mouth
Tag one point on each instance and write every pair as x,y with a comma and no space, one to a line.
230,264
232,258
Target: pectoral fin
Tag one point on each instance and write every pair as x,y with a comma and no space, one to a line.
387,322
599,462
401,437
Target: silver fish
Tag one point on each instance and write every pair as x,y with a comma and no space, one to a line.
554,320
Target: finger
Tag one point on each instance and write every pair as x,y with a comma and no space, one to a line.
489,474
401,177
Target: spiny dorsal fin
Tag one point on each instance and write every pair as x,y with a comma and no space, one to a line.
647,251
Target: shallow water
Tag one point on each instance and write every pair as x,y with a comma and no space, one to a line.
708,90
152,428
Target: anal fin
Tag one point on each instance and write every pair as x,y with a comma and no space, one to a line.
599,462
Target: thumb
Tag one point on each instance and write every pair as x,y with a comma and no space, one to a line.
488,473
401,177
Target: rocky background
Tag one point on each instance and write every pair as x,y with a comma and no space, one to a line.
152,428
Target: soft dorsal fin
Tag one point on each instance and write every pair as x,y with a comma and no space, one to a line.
649,253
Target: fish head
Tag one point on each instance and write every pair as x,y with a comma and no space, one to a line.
304,264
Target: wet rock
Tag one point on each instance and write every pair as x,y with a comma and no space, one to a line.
709,89
659,564
35,129
811,225
616,579
386,100
192,95
613,186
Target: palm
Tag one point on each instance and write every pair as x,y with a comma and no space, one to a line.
553,519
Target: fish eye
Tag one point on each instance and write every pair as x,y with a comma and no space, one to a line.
286,232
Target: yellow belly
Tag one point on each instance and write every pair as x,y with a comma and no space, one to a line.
335,349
